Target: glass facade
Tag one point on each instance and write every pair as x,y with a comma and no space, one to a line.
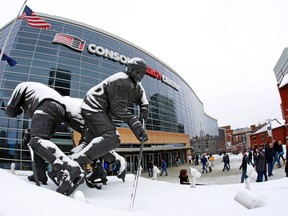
174,106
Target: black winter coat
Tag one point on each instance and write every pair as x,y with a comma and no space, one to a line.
244,163
260,161
269,154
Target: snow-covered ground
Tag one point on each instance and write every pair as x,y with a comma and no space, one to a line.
162,197
217,176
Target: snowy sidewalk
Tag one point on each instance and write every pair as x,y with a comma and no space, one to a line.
217,176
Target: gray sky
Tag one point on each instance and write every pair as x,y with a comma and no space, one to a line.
226,49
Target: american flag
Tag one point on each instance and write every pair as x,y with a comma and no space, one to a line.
34,20
70,41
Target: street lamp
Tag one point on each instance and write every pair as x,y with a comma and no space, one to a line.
270,128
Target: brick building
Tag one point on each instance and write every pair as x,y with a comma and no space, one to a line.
281,71
272,130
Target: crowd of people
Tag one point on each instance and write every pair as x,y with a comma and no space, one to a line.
264,160
151,167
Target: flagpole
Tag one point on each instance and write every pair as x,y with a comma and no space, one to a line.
6,40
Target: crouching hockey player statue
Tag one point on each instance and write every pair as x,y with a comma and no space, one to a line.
44,106
74,120
111,100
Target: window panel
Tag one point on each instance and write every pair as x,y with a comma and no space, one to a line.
46,50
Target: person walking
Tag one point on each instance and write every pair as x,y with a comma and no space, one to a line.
163,167
260,164
226,162
244,166
204,163
265,166
281,152
276,148
250,157
196,159
177,161
150,166
210,162
190,159
269,154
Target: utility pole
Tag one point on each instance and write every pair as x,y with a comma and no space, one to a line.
270,128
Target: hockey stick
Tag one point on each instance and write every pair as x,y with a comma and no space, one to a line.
33,165
135,184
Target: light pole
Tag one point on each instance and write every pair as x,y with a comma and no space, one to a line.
271,132
270,128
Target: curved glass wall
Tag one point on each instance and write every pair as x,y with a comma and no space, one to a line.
174,107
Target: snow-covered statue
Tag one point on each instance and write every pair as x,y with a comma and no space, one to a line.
46,109
109,100
97,177
194,175
246,197
74,120
251,175
156,172
12,167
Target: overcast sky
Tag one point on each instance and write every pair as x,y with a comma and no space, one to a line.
226,49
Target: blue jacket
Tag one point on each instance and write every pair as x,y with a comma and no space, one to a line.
164,165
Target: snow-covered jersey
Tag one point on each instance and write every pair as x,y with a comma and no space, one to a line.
27,96
73,117
114,95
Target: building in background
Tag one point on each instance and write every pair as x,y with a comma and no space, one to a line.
280,71
241,139
268,132
71,57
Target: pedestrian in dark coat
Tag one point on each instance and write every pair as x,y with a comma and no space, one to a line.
204,163
269,154
277,149
163,167
250,157
244,166
260,165
196,159
226,161
150,166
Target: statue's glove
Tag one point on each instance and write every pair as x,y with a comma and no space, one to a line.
144,111
138,130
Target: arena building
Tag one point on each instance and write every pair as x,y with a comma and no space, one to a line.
72,57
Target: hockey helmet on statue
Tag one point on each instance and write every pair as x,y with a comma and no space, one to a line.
136,69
